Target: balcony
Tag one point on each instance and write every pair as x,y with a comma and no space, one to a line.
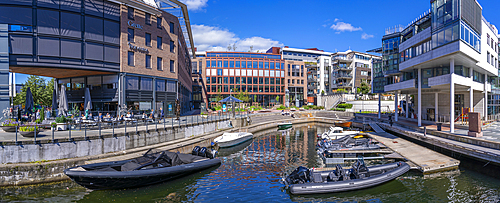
342,68
345,76
401,85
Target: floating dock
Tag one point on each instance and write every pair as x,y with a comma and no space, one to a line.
425,160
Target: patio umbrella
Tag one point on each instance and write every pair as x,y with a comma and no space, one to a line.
63,101
88,101
28,107
54,102
230,99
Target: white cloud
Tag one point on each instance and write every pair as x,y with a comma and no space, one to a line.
195,4
366,36
342,27
208,38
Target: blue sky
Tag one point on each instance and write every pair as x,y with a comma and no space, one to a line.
330,25
334,25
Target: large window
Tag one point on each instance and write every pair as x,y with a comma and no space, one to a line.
158,22
172,26
159,63
444,12
159,43
445,35
148,61
146,83
130,13
172,46
132,83
148,39
130,35
131,58
148,19
470,36
172,67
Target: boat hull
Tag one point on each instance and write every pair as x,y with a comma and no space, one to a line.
284,126
346,124
100,180
356,184
234,142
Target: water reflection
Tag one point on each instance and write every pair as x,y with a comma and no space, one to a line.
251,172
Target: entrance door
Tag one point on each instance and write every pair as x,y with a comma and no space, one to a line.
459,104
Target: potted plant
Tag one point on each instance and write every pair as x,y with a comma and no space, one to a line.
29,131
53,126
9,125
204,115
61,123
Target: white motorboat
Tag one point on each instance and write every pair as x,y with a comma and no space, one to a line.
337,133
232,139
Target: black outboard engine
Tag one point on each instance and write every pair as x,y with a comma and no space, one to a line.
298,176
196,150
202,152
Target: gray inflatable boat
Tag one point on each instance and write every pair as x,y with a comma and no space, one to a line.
308,181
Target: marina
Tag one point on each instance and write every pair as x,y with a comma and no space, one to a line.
258,165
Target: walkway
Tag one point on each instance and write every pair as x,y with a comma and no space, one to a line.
427,160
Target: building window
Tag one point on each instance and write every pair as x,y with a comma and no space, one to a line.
488,57
148,39
172,68
159,63
148,19
158,22
171,24
159,43
131,35
148,61
130,13
131,58
172,46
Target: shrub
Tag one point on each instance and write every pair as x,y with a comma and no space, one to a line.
318,107
38,121
53,124
61,119
345,105
28,128
282,107
338,109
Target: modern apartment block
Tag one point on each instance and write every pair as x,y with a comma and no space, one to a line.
131,54
266,77
309,57
446,56
344,70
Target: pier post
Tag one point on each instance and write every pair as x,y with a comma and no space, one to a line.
419,116
452,96
407,106
471,92
396,113
379,104
485,109
436,106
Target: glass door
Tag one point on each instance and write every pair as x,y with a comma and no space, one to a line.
459,104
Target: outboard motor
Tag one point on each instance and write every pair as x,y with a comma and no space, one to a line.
196,150
202,152
298,176
211,154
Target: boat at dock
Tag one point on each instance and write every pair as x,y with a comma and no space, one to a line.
337,133
282,126
151,168
232,139
316,181
343,124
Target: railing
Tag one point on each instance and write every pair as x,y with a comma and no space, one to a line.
343,76
84,128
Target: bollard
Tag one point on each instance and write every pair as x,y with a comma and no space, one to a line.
99,128
70,133
35,133
172,121
125,128
163,122
16,131
156,124
425,131
52,129
85,131
137,121
113,126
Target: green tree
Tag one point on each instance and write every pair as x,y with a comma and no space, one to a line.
364,89
40,88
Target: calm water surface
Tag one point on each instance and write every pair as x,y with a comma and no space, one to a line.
251,172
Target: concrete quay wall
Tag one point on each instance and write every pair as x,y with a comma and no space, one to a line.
131,146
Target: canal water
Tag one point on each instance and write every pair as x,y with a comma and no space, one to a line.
251,172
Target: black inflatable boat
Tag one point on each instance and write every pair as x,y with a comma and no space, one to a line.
309,181
153,167
346,143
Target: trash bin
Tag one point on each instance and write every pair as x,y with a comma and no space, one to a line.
439,126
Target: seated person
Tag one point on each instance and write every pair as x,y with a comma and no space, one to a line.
121,118
84,117
129,115
100,117
90,116
108,116
144,116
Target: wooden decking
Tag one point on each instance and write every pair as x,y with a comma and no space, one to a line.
426,160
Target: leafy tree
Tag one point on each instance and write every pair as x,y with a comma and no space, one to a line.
322,92
41,90
364,89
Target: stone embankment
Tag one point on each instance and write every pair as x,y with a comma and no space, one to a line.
128,145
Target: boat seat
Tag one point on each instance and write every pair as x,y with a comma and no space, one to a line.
333,177
316,177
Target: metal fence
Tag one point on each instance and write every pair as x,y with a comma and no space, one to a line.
83,128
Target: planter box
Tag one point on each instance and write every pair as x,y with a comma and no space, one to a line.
28,134
61,127
203,116
9,128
